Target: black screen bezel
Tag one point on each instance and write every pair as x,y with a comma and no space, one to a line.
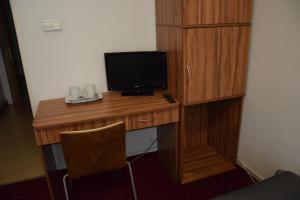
123,87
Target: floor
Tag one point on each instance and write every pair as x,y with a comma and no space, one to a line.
152,183
19,156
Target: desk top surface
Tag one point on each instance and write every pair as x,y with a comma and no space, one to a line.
56,112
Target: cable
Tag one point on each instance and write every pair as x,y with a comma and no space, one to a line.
247,170
154,141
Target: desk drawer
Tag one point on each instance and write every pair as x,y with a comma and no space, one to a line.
150,119
50,135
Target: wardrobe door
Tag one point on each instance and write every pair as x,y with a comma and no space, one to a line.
215,63
200,61
200,12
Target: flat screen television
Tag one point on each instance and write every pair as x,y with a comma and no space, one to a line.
136,73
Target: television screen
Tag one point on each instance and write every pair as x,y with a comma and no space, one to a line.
130,70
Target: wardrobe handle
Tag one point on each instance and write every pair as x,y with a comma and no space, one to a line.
188,73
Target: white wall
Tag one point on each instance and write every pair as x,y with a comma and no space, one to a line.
54,61
270,134
4,81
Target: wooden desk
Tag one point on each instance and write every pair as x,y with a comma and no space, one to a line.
54,116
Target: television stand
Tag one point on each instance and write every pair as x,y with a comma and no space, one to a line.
138,92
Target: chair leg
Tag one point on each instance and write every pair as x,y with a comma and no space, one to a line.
132,181
65,186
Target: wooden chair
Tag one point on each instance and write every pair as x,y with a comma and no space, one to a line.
94,151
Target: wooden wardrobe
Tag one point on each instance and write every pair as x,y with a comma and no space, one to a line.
207,43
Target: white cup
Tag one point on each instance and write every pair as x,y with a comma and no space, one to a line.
74,93
90,90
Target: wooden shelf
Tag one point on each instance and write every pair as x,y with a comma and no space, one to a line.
209,139
202,162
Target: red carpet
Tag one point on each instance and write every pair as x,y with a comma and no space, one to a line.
151,181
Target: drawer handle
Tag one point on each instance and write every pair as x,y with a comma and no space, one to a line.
147,120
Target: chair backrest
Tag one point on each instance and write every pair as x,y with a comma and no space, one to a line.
93,151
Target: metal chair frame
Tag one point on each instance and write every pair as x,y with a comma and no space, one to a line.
131,178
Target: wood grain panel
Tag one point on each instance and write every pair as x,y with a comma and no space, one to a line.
94,151
50,183
195,135
209,139
208,55
200,62
215,61
233,51
168,148
150,119
224,123
50,135
54,116
202,162
57,113
197,12
168,12
169,39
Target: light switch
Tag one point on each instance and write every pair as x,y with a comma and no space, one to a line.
52,25
57,26
47,26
